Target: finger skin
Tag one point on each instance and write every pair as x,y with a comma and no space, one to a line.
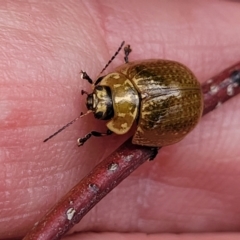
142,236
192,186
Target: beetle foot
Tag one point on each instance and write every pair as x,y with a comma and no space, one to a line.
84,92
235,76
154,153
81,141
85,76
127,50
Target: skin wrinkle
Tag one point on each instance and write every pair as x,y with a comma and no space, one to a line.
192,213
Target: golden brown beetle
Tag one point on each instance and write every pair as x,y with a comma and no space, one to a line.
163,97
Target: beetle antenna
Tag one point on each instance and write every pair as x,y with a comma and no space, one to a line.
67,125
116,53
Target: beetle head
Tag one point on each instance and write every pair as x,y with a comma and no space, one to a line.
100,103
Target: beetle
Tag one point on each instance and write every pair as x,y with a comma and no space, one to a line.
162,97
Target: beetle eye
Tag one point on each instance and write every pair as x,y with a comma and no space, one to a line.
99,88
98,115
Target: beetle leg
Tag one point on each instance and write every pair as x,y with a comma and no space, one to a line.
85,76
84,92
127,50
235,76
154,153
81,141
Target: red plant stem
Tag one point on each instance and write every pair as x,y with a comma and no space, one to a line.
221,88
115,168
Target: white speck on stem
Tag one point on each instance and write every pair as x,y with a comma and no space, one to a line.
230,90
113,167
70,213
214,89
